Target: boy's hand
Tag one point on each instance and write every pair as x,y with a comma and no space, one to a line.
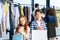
40,28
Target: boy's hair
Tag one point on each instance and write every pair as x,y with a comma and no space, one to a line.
38,10
36,5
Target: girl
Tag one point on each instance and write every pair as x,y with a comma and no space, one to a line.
18,35
23,22
51,23
38,23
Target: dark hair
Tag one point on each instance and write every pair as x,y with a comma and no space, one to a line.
38,10
26,24
36,5
50,11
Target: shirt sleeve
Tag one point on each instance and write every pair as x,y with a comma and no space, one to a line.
27,34
32,26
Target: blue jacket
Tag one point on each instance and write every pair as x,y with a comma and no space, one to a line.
17,37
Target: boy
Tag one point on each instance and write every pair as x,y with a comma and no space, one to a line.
38,23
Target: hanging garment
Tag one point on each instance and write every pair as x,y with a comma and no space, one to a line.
0,12
7,20
0,21
29,14
3,18
0,30
8,23
26,11
11,21
5,15
5,8
17,14
13,14
21,9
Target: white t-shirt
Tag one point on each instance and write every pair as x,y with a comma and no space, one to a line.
39,23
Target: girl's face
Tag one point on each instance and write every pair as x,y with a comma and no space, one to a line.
22,21
21,29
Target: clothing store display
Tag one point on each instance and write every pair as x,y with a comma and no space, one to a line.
9,18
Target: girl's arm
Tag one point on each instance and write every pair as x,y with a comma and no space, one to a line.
26,34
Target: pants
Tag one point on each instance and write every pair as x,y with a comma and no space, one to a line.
53,38
0,31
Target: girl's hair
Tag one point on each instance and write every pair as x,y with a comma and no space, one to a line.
26,24
50,11
17,28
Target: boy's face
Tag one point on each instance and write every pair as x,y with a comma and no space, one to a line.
38,15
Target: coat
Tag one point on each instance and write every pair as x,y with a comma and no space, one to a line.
51,26
18,37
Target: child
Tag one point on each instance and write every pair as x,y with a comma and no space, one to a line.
51,23
38,23
18,35
24,22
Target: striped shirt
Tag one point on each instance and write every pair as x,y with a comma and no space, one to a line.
34,25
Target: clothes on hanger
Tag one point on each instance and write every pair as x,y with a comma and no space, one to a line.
21,9
17,14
